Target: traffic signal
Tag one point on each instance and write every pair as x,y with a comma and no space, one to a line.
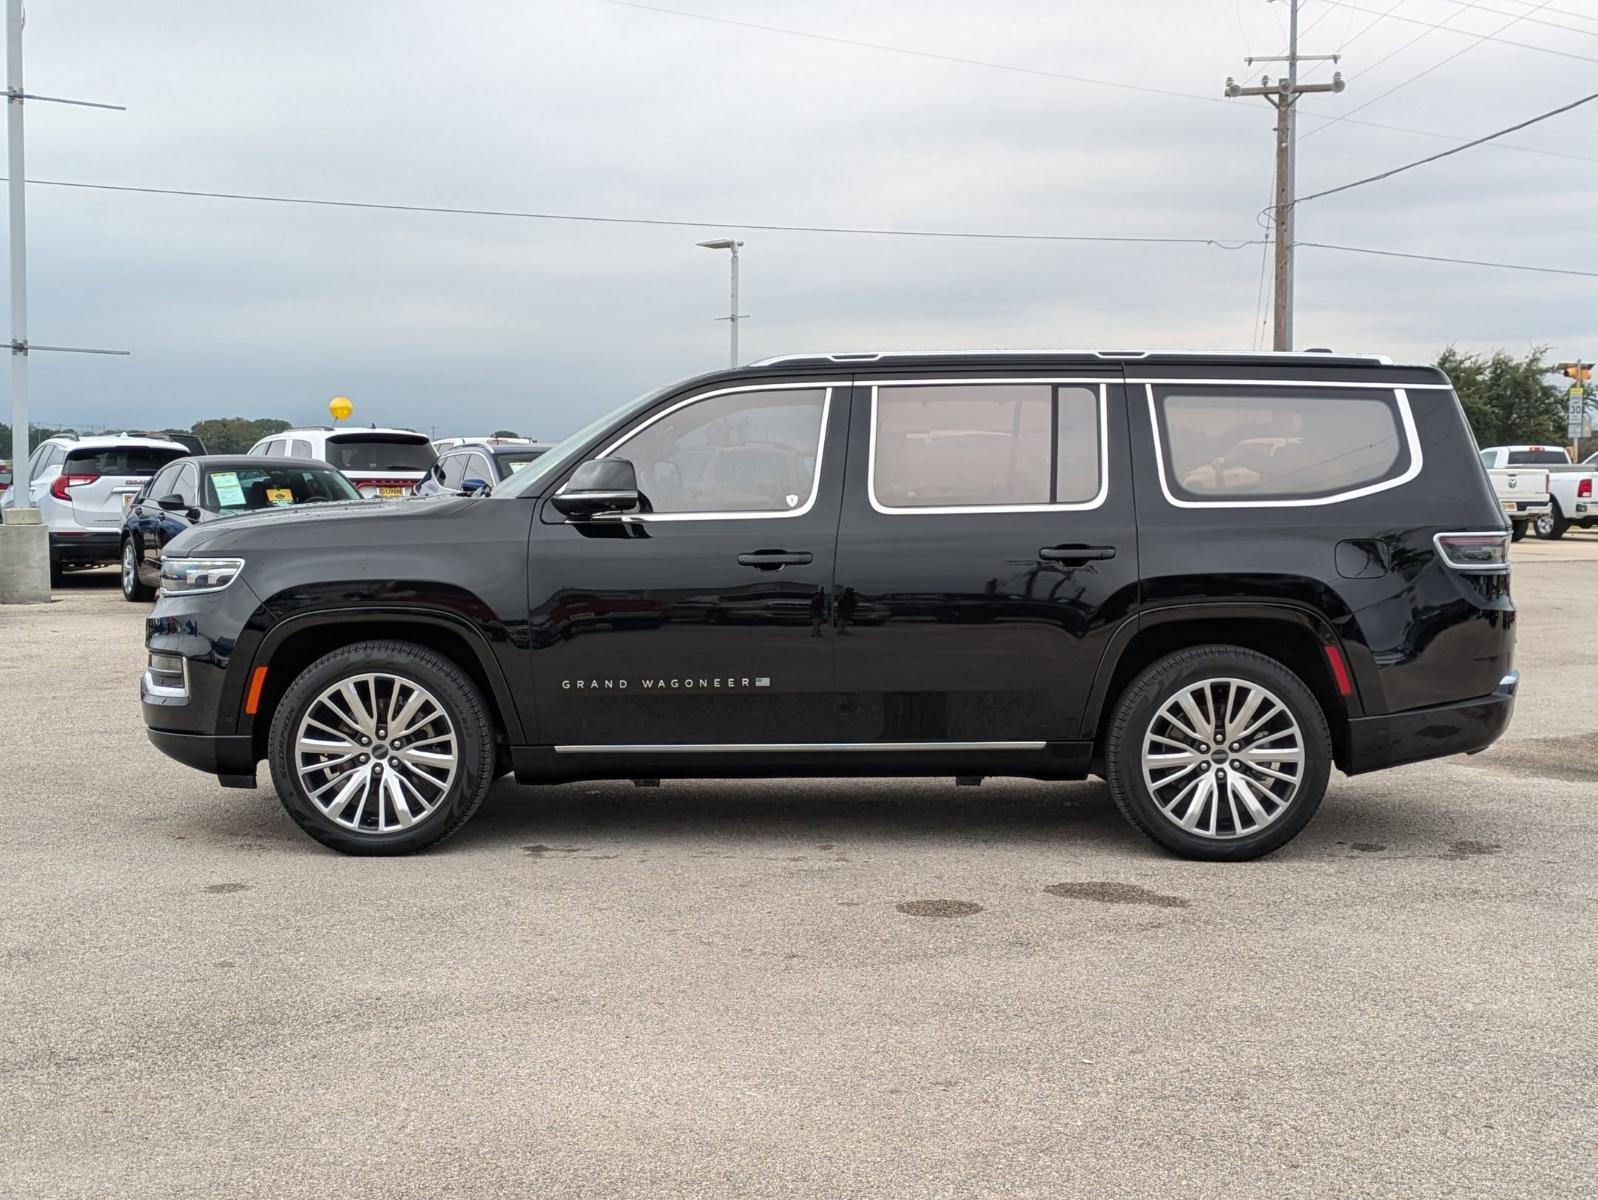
1579,371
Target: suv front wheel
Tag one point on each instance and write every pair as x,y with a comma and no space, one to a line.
1218,753
382,748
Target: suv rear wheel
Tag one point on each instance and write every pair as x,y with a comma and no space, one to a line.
382,748
132,589
1218,753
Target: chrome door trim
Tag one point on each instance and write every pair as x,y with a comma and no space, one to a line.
791,747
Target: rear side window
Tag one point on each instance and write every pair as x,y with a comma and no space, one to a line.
380,452
120,460
977,446
1226,444
1523,458
300,449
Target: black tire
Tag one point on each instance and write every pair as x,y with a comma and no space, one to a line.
455,693
134,590
1517,530
1136,711
1552,526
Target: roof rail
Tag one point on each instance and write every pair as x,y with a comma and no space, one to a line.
877,356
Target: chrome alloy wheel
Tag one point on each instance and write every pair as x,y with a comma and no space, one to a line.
376,753
1545,525
1223,758
130,568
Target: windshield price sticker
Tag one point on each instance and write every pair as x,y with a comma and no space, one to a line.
228,492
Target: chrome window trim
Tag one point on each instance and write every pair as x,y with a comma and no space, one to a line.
1388,386
1010,380
790,747
1406,420
825,388
869,356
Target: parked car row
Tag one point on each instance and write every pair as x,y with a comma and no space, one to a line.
1569,501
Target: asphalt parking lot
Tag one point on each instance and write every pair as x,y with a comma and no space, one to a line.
862,988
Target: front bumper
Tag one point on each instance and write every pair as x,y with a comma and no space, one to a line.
1422,733
85,547
231,758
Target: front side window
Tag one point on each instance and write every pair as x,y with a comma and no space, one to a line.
477,468
186,484
988,445
451,471
1226,444
740,452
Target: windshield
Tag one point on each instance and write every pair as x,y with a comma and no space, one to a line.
555,460
381,452
120,460
1521,458
242,489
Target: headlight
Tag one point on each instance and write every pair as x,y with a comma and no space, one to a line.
181,576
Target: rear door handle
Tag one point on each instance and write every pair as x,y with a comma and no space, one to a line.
1075,553
775,560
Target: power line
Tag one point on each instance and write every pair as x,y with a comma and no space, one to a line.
765,227
1439,258
1554,112
1038,72
862,231
1422,74
1558,12
1488,37
1538,20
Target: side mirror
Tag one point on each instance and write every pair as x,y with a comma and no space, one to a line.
471,487
172,503
600,485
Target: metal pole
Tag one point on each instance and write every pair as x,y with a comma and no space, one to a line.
19,258
1286,187
733,321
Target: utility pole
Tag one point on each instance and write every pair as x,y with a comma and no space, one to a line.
735,316
24,542
1283,95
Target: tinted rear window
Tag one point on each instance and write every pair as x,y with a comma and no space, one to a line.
511,461
119,460
381,452
1522,458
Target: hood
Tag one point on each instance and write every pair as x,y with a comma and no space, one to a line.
356,524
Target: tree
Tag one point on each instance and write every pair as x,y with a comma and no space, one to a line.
1508,401
235,435
505,433
36,434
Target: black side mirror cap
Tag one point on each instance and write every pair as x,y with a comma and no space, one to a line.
600,485
172,503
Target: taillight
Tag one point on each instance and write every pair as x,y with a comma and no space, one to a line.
58,489
1584,488
1474,551
363,484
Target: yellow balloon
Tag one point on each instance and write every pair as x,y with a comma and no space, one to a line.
341,408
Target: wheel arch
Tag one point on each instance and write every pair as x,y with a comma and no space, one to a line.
1295,637
292,645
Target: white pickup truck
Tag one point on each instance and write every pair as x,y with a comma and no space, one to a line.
1522,485
1570,488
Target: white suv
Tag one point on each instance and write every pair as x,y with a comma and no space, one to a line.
82,486
382,463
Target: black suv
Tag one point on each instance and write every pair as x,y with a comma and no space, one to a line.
1207,578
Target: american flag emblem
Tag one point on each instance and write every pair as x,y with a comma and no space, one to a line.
763,681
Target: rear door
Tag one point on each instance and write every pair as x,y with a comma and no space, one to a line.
109,477
987,553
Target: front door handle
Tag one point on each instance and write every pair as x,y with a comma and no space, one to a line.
1075,553
775,560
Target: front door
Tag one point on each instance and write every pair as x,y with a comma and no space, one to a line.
987,552
701,620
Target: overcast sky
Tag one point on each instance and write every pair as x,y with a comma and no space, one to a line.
469,323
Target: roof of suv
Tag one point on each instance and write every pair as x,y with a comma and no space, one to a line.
312,432
928,357
96,441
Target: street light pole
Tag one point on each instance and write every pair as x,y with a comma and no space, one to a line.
16,191
734,316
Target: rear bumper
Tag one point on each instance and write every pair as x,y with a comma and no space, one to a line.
1422,733
1526,508
231,758
85,547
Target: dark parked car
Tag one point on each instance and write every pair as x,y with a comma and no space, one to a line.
474,466
190,491
1208,578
